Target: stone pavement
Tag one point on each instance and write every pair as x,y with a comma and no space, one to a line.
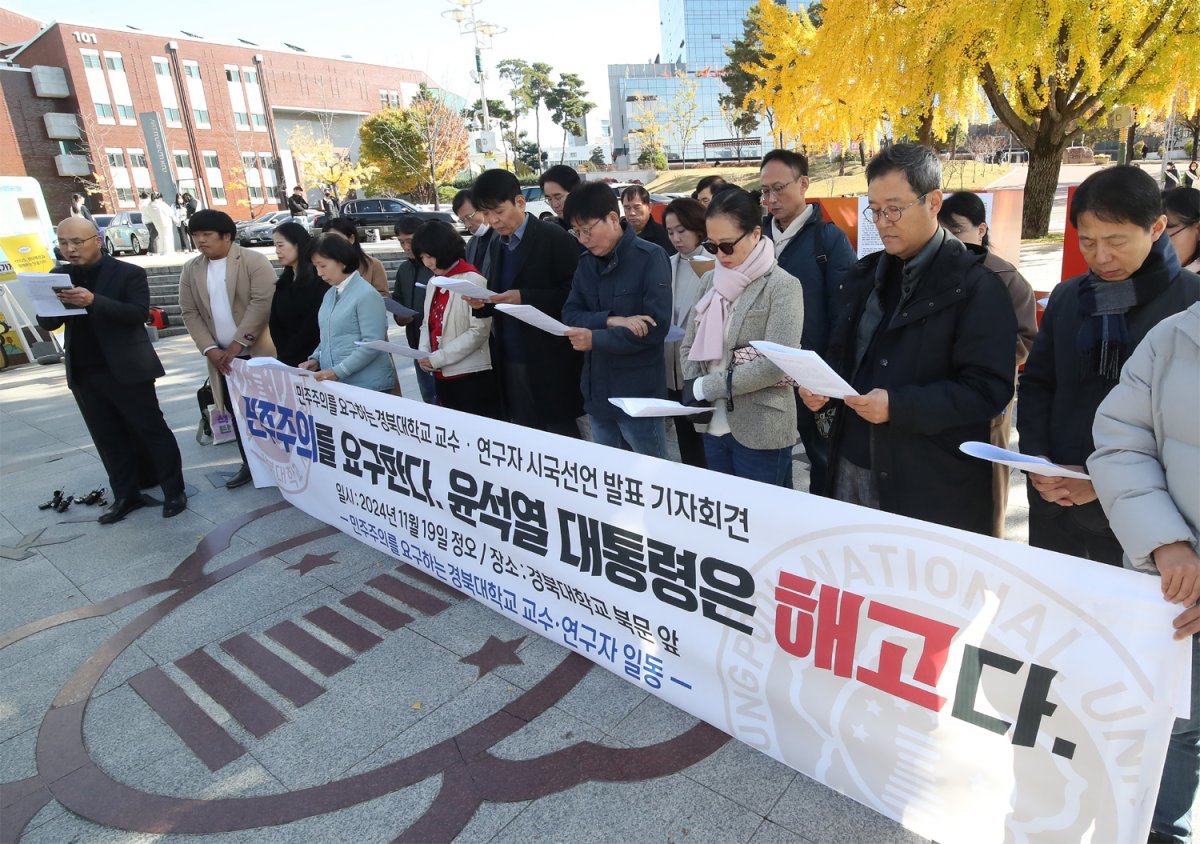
246,672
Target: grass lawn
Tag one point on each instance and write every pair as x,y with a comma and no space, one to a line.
958,175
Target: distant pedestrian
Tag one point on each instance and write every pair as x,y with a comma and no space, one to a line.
329,206
180,215
79,207
1190,177
164,219
298,205
1170,176
148,222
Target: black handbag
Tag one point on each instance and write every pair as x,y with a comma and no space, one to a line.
204,398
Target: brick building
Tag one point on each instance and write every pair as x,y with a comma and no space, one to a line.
116,111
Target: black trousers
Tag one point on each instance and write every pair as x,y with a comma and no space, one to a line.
1081,531
126,421
475,393
816,448
522,407
237,432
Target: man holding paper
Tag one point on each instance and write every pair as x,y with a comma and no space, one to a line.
111,367
529,262
620,310
1091,326
929,343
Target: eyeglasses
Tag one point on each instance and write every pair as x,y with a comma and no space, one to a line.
725,248
75,243
585,234
777,188
891,213
466,218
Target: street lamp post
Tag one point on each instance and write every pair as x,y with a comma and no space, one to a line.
463,14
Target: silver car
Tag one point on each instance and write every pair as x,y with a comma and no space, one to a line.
126,233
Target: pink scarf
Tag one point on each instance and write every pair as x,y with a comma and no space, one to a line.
714,306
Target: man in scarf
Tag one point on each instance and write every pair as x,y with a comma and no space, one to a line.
929,344
1091,325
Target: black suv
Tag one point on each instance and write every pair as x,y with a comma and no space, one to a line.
382,213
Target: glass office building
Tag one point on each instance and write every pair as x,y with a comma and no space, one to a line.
694,35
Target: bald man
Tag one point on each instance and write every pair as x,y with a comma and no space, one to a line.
111,368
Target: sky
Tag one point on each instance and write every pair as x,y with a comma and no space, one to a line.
409,33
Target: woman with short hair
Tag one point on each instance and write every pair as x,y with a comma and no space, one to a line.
456,340
352,310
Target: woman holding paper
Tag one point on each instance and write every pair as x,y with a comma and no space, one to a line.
352,310
746,297
456,340
298,296
684,222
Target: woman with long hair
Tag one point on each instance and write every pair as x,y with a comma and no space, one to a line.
746,297
369,268
684,221
298,296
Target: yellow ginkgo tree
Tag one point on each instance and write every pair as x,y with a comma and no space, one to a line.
1049,70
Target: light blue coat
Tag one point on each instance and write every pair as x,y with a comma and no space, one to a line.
357,313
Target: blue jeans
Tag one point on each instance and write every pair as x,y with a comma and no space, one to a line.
644,436
768,465
426,383
1181,773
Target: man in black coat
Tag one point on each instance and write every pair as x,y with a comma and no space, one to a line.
528,263
637,206
814,250
412,283
1091,325
111,368
929,343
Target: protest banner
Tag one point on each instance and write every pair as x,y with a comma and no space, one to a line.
970,688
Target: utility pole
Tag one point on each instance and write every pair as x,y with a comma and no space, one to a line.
463,14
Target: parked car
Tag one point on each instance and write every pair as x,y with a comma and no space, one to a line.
102,222
126,233
260,230
381,213
535,202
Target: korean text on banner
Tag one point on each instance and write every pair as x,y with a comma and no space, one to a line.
973,689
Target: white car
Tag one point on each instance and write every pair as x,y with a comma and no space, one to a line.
536,204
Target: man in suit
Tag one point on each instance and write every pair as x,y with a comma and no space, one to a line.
481,233
532,263
225,297
111,368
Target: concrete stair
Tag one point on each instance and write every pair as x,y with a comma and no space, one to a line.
164,287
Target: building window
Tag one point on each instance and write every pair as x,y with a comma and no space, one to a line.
192,70
233,74
104,110
137,159
250,76
90,60
383,99
114,63
115,159
255,193
172,114
183,160
125,195
266,162
218,194
211,161
161,68
241,120
260,120
249,161
201,116
126,112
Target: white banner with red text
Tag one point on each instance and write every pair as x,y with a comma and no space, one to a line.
972,689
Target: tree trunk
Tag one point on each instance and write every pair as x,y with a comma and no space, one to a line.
1045,160
862,155
537,124
925,130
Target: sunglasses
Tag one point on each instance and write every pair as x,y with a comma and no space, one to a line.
724,248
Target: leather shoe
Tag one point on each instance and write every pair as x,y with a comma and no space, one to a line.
173,505
120,508
242,478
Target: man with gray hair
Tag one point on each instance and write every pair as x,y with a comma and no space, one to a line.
928,341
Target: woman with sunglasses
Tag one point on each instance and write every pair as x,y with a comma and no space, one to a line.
746,297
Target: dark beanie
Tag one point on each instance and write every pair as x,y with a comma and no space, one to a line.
209,220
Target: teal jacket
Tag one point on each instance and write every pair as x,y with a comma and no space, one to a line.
357,313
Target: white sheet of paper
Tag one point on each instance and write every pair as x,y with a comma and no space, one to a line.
1024,462
536,318
806,368
394,307
674,334
464,288
39,287
393,349
273,363
643,408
